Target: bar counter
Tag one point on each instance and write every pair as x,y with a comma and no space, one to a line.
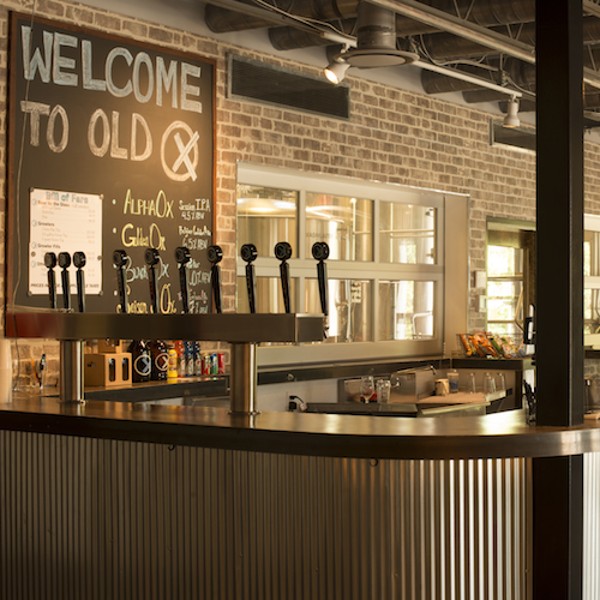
130,500
502,435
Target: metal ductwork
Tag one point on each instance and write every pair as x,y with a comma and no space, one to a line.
376,40
449,30
445,46
290,38
223,20
491,12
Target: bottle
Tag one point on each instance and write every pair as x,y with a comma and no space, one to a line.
159,360
172,371
189,359
180,348
141,361
197,360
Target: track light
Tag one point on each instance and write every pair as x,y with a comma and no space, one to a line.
512,113
336,71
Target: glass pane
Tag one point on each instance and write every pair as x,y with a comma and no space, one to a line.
266,216
503,300
506,329
345,223
501,309
350,308
407,233
504,289
591,310
269,298
503,261
591,253
406,310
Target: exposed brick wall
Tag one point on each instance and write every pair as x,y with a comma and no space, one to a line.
393,136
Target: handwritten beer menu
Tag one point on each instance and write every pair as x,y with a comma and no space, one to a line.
111,147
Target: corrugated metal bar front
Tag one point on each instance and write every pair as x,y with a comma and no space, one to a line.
591,526
95,519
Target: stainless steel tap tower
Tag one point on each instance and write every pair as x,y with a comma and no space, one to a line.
242,331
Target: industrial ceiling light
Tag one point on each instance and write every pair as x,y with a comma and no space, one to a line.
512,113
336,71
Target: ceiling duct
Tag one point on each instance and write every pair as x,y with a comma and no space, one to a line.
445,46
376,40
492,12
223,20
290,38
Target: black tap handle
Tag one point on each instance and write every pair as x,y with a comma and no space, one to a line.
79,261
182,256
215,255
120,260
64,262
50,263
152,257
320,252
283,251
249,254
529,326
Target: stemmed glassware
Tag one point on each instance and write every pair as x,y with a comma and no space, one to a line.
367,388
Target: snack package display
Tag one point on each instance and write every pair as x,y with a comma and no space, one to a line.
483,344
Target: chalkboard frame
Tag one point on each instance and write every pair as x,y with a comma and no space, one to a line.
17,222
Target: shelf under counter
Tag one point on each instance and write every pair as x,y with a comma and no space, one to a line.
182,387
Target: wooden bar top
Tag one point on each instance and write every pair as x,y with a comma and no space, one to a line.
500,435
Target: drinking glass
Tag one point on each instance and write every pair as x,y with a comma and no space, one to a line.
471,383
383,390
500,382
489,384
367,388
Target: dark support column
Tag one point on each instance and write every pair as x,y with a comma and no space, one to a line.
558,482
559,314
558,528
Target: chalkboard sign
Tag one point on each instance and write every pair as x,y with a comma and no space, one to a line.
111,146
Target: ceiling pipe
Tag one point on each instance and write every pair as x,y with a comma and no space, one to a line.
445,46
472,81
422,13
492,12
475,33
225,17
498,12
446,22
291,38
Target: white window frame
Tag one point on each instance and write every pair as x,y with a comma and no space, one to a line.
450,300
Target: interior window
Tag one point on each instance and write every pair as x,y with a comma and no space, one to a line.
386,262
510,275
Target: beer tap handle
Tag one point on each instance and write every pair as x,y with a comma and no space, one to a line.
529,326
50,263
283,252
119,261
249,254
320,252
182,256
64,262
152,257
215,255
79,262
